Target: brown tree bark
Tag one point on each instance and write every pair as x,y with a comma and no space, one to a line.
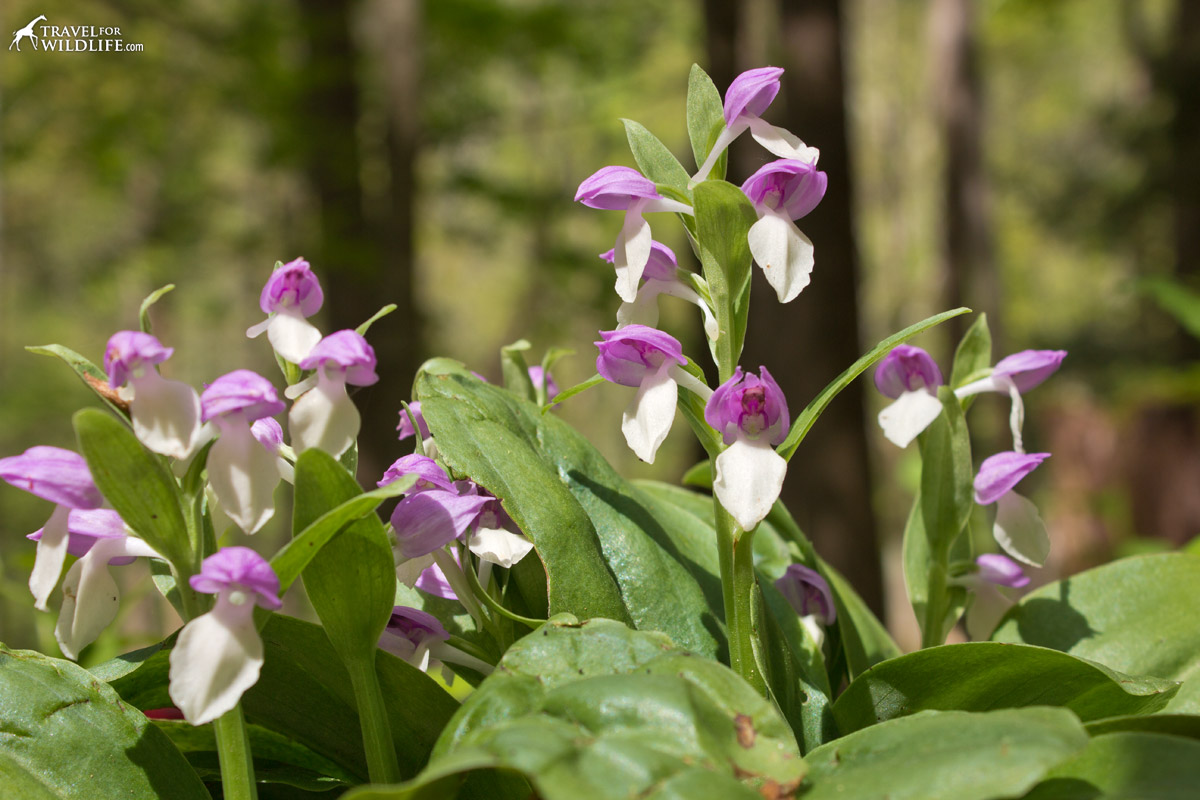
968,270
811,340
368,263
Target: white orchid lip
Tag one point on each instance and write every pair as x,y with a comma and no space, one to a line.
90,595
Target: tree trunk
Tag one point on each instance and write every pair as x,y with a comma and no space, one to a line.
810,341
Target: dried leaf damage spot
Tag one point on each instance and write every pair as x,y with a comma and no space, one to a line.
745,730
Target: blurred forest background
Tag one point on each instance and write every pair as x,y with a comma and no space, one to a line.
1035,159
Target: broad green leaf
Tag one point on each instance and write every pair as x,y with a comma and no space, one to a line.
981,676
294,556
136,483
724,217
945,756
1187,701
92,376
304,693
808,416
705,117
946,476
973,356
64,734
1137,615
1126,766
1187,725
654,159
601,711
277,758
151,299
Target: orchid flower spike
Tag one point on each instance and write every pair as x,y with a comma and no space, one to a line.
165,413
909,376
1018,527
435,512
291,294
421,640
651,361
660,277
808,593
324,416
1001,571
751,415
91,598
242,472
625,189
1014,375
747,99
62,477
781,192
219,654
270,435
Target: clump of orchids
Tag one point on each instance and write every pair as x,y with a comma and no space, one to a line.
187,478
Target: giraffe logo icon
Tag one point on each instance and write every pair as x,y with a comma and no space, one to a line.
26,32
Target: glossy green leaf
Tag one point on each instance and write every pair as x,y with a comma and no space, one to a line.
1187,700
136,483
304,693
654,159
724,217
64,734
808,416
1187,725
293,557
151,299
92,376
981,676
277,758
945,756
1126,766
705,118
1137,615
973,356
601,711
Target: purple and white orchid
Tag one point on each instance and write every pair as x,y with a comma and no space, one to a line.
421,640
651,361
324,416
625,189
751,415
808,593
1014,375
291,294
165,413
219,654
1018,527
241,471
1001,571
910,377
660,278
746,100
62,477
781,192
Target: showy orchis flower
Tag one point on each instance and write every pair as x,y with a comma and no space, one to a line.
421,640
405,428
1013,375
751,415
165,413
625,189
242,472
1001,570
62,477
781,192
909,376
542,379
219,654
659,278
324,417
747,99
652,361
1018,527
291,294
270,435
91,598
434,512
808,593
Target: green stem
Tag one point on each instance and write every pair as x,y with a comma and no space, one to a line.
739,588
382,766
495,605
935,603
233,751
